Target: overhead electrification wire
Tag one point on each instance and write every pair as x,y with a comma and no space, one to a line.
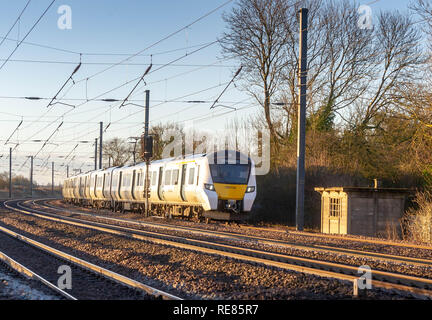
31,29
76,146
110,63
172,34
136,85
13,132
232,80
155,43
70,78
45,143
91,53
17,19
159,41
122,85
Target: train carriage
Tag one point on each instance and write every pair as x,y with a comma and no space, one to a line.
218,185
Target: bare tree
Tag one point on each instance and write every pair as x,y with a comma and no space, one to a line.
118,150
256,34
265,35
159,132
344,65
424,9
398,62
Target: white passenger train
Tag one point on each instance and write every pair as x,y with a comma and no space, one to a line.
220,185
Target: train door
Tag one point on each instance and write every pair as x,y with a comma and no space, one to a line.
120,184
85,187
183,182
160,193
93,186
133,184
103,185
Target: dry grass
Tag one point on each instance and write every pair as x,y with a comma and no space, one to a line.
417,222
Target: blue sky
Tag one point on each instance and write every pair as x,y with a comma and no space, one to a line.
111,27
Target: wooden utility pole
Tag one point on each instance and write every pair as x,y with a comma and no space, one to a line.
301,127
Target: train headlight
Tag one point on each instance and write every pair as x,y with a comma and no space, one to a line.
209,186
250,189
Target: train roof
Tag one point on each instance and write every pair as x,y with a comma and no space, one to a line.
214,155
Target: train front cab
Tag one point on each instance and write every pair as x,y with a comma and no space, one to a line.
229,186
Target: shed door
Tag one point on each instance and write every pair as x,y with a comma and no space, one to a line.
335,212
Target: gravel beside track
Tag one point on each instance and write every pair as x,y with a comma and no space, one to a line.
85,285
14,286
297,237
424,271
183,273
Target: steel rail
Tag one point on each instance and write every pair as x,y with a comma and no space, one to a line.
387,280
341,237
29,274
87,265
257,239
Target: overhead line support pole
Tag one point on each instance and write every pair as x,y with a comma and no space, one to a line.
52,178
147,158
10,173
95,153
31,176
100,145
301,128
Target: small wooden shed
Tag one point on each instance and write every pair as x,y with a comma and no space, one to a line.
361,211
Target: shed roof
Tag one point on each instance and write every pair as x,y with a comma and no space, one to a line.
363,189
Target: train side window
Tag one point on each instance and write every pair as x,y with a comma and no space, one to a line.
198,170
191,175
167,177
175,176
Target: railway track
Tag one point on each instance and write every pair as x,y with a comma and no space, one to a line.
338,237
253,239
12,265
416,286
88,281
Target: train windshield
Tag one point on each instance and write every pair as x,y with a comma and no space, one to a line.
230,173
